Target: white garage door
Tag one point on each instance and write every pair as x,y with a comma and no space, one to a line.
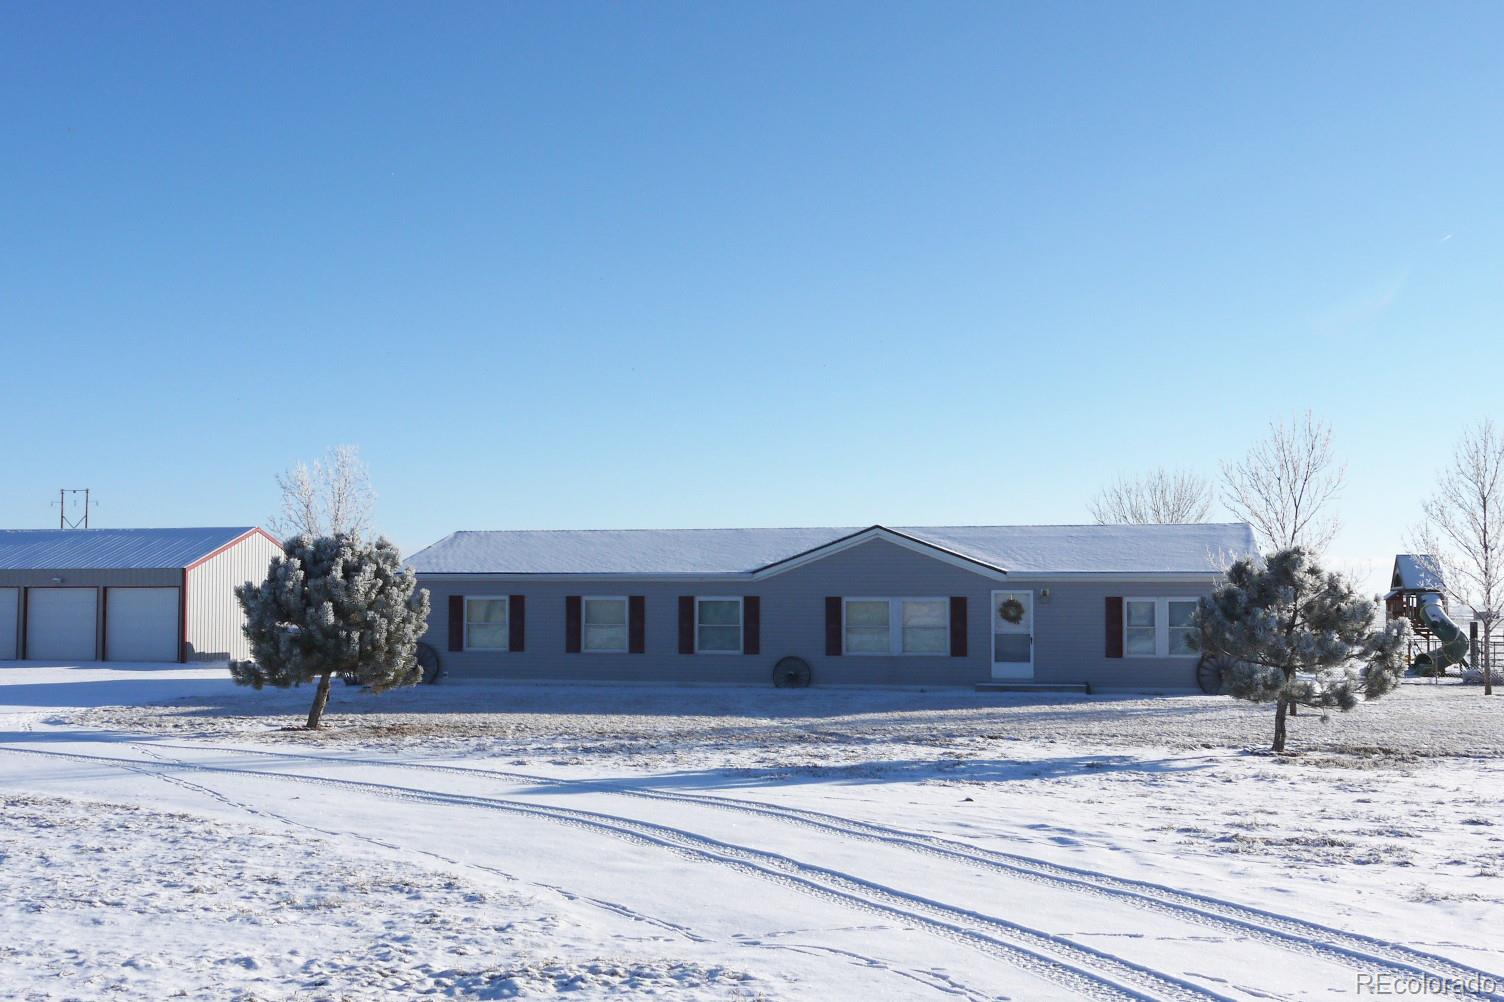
141,624
60,623
10,612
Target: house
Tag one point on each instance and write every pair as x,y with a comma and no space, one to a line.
1106,606
127,594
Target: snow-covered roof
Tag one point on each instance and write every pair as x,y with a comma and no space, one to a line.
1099,549
110,549
1416,572
1026,549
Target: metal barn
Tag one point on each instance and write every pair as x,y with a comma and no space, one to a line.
143,595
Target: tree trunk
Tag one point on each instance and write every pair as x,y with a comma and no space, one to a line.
320,700
1279,723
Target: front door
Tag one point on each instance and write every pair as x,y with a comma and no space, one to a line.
1013,634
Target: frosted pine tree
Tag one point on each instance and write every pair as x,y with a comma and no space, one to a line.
333,605
1292,634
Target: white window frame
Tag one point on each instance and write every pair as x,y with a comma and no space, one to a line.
1168,600
895,626
626,607
741,621
506,623
1161,625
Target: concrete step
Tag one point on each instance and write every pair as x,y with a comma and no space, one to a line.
1002,685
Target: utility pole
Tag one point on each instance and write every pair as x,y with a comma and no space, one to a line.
63,521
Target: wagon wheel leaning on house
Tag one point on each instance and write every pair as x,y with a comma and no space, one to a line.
427,658
1209,671
791,673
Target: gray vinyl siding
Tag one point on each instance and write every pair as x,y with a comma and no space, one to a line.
1070,627
1070,635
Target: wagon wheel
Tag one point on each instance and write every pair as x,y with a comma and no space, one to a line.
791,673
1209,674
428,660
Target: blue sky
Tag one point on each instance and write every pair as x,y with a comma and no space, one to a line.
564,265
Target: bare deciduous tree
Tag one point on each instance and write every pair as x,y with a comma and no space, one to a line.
1462,533
1285,485
330,497
1160,497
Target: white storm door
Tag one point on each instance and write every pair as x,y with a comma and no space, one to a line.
1013,634
141,624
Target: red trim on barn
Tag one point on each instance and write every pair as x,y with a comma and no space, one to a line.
254,530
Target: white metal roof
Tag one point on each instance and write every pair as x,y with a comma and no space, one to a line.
1023,549
110,549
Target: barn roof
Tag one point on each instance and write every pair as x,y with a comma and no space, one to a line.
110,549
1017,549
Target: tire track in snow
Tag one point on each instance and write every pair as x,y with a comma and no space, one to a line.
1354,950
935,980
601,903
1086,972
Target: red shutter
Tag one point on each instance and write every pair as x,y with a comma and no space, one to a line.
571,624
958,626
517,623
637,624
751,625
832,625
456,622
1114,626
686,624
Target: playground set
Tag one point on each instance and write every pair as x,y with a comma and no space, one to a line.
1417,593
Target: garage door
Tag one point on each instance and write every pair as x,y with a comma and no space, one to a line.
10,612
60,624
141,624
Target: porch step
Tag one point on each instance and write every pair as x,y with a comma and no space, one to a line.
1081,687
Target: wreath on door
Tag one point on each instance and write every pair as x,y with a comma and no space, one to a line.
1011,610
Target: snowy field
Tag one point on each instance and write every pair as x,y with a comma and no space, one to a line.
164,837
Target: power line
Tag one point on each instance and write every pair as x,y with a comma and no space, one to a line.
80,522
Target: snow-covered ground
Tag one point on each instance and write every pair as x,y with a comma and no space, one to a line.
162,835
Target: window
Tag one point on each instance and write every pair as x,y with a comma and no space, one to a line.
1140,637
718,625
897,625
867,630
926,626
1181,620
1158,627
604,624
485,623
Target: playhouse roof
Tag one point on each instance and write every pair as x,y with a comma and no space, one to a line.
1415,572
